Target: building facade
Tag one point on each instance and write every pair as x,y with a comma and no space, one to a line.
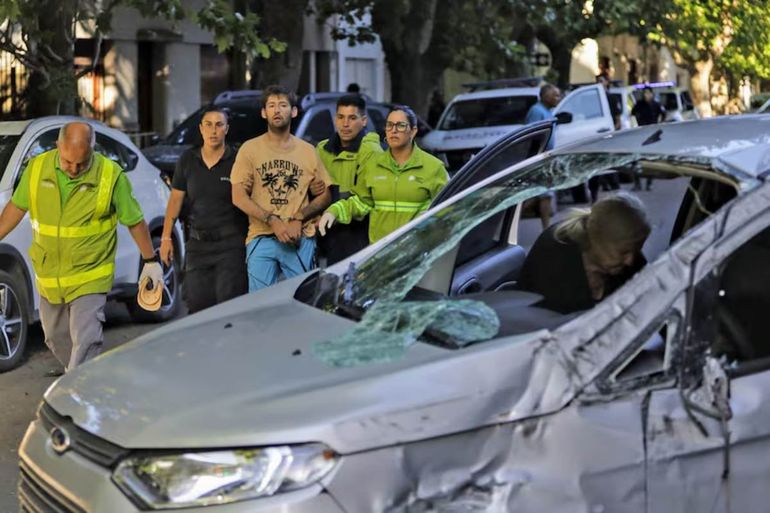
152,74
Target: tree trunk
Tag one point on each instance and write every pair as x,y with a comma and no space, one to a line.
237,58
413,81
699,86
54,90
412,39
561,53
561,61
284,69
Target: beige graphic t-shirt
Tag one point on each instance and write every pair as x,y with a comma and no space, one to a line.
277,179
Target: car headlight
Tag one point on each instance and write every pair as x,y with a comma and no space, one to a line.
220,477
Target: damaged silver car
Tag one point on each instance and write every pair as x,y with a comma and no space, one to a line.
416,377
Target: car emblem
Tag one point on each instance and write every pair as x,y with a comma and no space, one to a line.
60,440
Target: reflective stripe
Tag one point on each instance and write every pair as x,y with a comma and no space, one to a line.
109,169
34,183
340,212
78,279
400,206
75,232
360,204
97,226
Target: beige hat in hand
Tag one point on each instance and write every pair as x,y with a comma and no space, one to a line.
149,297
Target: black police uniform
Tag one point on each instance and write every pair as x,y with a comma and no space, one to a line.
215,270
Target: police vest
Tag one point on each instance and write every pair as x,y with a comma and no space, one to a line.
74,241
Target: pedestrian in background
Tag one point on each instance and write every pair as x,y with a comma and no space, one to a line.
270,182
608,181
75,198
550,95
344,156
395,186
647,111
215,268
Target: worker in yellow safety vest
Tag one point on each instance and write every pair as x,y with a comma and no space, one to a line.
393,187
75,198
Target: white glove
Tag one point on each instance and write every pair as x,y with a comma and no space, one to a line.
154,272
326,222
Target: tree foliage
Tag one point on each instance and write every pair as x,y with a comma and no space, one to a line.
732,36
40,34
422,38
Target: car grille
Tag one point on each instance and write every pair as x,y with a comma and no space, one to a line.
91,447
35,496
458,158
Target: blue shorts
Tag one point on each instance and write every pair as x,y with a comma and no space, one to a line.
267,258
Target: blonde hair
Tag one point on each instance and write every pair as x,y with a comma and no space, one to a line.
616,219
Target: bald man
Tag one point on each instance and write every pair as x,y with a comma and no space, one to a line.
75,198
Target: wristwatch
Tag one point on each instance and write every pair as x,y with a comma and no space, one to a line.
154,258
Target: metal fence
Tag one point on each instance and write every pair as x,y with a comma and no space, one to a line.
13,82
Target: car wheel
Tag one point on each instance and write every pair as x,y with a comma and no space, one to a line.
172,298
14,321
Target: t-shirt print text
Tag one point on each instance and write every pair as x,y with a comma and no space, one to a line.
280,178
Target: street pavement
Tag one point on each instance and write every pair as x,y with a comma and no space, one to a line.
22,388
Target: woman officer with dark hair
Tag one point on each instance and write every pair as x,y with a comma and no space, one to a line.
215,270
394,187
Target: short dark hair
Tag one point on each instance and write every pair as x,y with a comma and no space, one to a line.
647,88
353,100
544,90
278,90
214,108
410,115
353,87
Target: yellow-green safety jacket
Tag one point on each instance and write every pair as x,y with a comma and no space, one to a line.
74,242
391,194
345,166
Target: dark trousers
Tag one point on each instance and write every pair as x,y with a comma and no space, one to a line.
343,240
211,279
608,182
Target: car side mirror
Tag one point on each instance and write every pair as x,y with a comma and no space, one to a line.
562,118
154,139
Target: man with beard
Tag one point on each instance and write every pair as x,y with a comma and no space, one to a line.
270,181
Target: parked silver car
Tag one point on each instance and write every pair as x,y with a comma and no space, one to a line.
414,377
19,142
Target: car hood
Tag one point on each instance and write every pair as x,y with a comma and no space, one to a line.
244,374
165,156
448,140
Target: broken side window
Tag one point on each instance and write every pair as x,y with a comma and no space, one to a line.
649,362
740,289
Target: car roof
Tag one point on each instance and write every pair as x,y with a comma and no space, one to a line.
19,127
741,142
498,93
226,96
14,127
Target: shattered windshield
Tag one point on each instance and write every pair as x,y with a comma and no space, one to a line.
391,273
375,291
